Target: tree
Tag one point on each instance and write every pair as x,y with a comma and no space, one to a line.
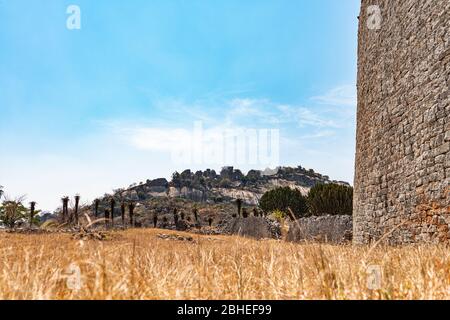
131,207
155,220
113,204
283,198
106,218
96,204
12,212
1,191
175,216
32,213
239,206
333,199
195,212
122,212
65,208
77,205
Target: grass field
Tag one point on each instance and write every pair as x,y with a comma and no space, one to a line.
137,264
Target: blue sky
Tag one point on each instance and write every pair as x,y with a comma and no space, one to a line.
85,111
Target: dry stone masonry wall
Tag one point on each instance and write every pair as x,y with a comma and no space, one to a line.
402,173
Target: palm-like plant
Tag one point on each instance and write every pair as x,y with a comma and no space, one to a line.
239,206
96,204
175,216
77,204
106,218
155,220
131,207
65,209
32,213
122,212
195,211
113,204
12,212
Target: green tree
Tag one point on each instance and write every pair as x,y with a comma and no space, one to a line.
283,198
12,212
333,199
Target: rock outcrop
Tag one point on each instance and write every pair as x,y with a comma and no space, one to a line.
229,185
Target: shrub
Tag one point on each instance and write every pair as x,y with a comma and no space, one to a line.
283,198
12,212
332,199
279,215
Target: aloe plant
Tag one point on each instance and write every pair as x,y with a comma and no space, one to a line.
106,218
122,212
131,207
113,204
195,211
77,204
175,216
32,211
239,206
155,220
65,208
96,204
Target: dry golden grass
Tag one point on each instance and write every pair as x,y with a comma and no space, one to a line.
138,265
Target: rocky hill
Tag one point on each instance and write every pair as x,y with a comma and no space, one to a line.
209,187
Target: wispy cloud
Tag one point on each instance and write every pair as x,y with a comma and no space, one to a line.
236,114
339,96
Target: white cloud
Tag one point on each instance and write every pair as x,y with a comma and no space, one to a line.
157,139
339,96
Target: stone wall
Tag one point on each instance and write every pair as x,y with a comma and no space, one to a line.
331,229
402,175
253,227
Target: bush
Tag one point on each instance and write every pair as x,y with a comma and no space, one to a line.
12,212
332,199
283,198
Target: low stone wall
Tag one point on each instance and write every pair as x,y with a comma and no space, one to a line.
254,227
330,229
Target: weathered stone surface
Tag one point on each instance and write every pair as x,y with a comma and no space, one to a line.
330,229
254,227
402,161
